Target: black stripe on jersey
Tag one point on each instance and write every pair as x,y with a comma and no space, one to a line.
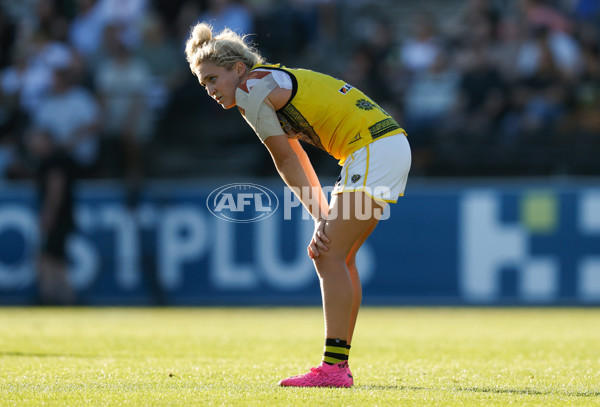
383,127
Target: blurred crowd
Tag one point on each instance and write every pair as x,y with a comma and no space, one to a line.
482,87
493,88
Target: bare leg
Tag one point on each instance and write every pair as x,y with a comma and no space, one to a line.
340,287
354,277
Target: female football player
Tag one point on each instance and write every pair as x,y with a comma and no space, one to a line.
284,105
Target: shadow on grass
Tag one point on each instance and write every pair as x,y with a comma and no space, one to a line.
391,387
591,393
43,355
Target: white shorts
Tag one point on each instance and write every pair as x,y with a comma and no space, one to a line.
380,169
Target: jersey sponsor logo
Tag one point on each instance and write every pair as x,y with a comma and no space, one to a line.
355,178
345,89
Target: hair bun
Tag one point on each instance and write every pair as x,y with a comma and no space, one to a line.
201,34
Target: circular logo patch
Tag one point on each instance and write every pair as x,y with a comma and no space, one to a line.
364,104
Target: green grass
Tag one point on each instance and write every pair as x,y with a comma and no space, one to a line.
235,356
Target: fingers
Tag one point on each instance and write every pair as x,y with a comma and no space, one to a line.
316,247
318,243
312,251
321,234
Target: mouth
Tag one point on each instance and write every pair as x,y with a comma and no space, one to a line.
219,99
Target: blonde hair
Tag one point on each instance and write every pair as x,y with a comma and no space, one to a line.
225,49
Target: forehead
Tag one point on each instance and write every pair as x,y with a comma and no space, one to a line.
209,68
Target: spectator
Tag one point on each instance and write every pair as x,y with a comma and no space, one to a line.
230,14
85,32
539,14
420,50
55,195
186,17
481,100
128,14
34,82
514,38
429,103
474,13
70,115
537,103
379,49
563,48
431,98
162,57
12,80
505,50
8,34
11,163
586,117
547,96
122,82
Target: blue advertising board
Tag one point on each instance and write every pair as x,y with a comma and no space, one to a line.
245,243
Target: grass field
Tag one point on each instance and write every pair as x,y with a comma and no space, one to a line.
235,356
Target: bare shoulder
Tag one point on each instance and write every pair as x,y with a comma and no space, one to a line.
279,97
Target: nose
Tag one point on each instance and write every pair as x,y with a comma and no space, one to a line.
211,91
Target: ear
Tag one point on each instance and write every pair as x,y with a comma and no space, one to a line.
240,69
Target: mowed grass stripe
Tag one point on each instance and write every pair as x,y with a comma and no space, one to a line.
235,356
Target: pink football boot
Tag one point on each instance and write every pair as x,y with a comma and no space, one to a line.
324,375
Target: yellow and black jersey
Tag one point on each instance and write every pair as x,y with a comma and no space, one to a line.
331,114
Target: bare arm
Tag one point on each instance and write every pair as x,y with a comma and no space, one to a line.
311,174
293,165
297,172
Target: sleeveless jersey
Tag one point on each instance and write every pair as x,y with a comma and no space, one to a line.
331,114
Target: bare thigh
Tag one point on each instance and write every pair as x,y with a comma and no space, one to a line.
355,215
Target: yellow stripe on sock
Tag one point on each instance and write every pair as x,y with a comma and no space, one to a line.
336,349
331,360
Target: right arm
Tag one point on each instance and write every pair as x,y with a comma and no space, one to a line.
297,172
295,169
289,157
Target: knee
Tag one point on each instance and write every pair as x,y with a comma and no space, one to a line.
333,254
328,260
